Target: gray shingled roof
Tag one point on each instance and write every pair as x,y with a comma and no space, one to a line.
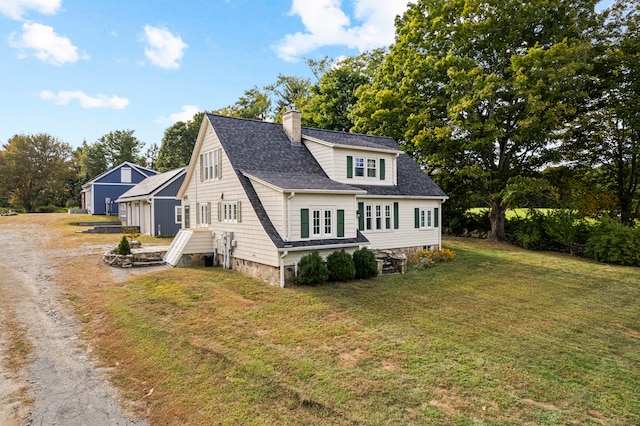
297,181
263,150
150,185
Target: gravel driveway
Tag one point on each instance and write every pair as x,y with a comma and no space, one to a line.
61,386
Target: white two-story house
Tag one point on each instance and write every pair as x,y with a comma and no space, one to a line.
260,195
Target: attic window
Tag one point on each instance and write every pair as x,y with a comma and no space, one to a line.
125,175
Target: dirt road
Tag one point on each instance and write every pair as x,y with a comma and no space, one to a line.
58,383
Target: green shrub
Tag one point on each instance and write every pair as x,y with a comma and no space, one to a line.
123,248
50,208
530,231
612,242
312,270
341,266
365,263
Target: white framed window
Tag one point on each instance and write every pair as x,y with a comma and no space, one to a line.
371,168
125,175
204,215
387,216
426,218
321,222
358,166
230,212
178,214
368,213
211,164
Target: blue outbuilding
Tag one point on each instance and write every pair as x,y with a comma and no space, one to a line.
152,204
99,195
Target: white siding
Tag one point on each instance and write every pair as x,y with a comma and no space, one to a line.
336,202
340,167
252,241
274,203
406,235
323,155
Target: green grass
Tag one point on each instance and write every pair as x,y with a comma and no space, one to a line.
498,336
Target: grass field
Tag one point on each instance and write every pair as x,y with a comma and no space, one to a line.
499,336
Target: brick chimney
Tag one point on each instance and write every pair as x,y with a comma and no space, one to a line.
291,123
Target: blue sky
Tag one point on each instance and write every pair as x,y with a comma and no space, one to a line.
78,69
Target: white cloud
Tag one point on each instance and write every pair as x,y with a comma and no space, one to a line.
187,113
46,44
327,25
15,9
86,101
164,49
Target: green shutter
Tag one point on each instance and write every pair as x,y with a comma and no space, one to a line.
382,169
349,167
340,233
197,214
239,211
435,217
304,223
396,216
209,213
417,217
201,171
361,216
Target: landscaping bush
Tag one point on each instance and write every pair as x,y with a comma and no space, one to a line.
612,242
312,270
365,263
50,208
123,248
530,231
341,266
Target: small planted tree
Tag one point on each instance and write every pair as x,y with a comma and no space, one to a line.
124,247
341,266
312,270
365,263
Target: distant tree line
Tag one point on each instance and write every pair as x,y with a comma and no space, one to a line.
504,103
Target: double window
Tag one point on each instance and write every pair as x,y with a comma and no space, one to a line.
368,168
426,218
321,222
230,212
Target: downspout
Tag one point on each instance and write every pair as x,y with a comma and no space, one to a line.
284,254
293,194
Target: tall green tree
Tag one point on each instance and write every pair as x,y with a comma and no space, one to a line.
254,103
34,169
121,146
332,97
177,144
481,87
608,134
93,159
288,92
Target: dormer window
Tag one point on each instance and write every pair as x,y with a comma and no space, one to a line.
367,168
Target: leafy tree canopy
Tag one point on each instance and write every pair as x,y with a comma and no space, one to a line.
34,168
177,144
481,86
